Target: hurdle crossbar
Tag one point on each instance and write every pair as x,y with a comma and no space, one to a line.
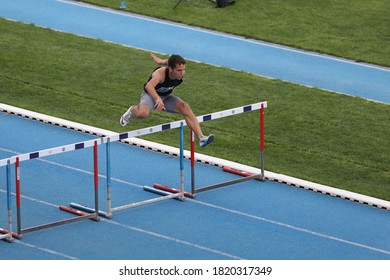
51,151
177,124
130,134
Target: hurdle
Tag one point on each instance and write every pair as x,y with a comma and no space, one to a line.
16,160
244,109
165,195
7,234
245,178
166,192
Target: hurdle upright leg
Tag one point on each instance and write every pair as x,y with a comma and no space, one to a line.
182,161
87,209
9,238
262,141
108,171
8,234
192,141
96,179
17,182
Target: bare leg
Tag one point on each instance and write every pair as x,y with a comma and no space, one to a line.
184,109
140,111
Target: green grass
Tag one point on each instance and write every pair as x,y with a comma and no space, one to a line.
356,29
333,139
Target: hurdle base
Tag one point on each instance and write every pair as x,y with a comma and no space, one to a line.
166,196
60,223
163,192
171,190
77,212
74,207
5,236
227,183
241,173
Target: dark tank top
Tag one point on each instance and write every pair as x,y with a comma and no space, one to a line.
166,87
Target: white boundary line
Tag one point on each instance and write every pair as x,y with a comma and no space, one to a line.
292,181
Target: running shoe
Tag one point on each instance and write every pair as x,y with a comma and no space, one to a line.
126,117
205,140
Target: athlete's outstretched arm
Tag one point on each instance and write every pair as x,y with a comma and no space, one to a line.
159,60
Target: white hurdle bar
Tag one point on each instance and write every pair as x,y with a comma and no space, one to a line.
176,124
134,133
51,151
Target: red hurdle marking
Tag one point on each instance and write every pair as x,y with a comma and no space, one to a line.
17,182
72,211
5,231
77,212
237,171
171,190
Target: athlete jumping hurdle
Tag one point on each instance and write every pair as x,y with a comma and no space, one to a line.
157,94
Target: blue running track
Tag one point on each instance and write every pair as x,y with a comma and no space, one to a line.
252,220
